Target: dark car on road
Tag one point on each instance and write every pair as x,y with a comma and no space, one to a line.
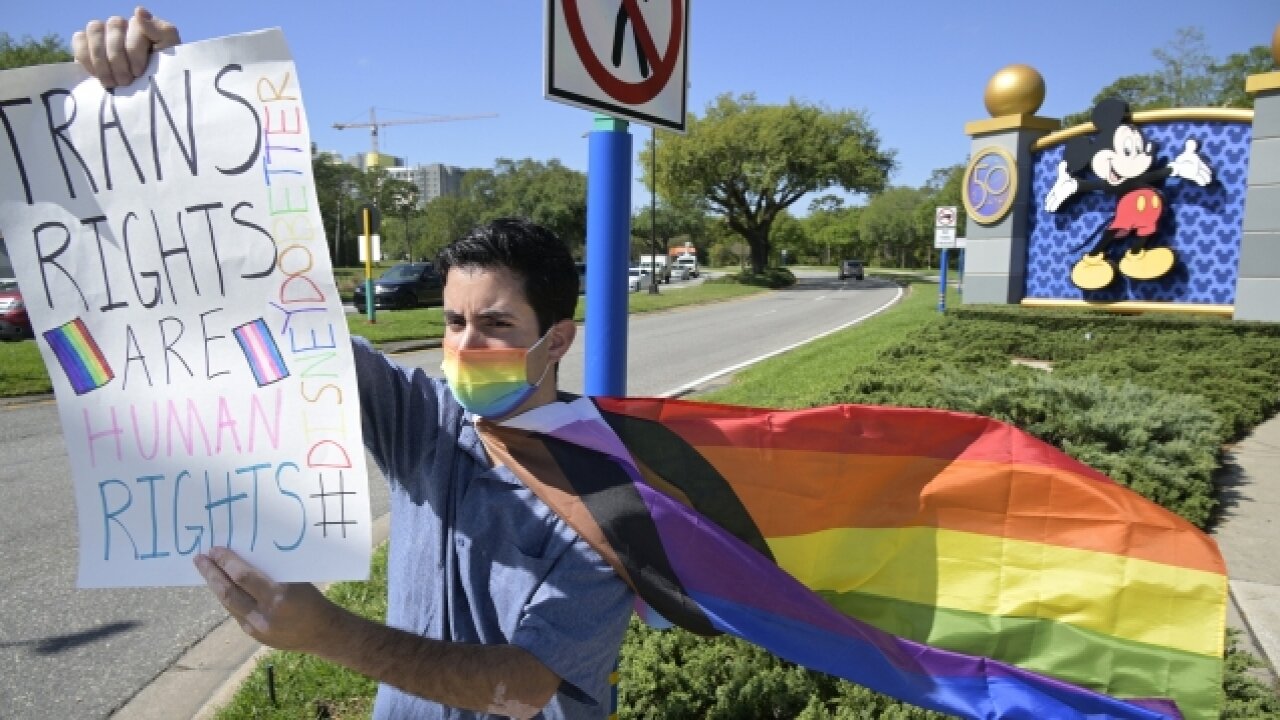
14,322
404,286
851,269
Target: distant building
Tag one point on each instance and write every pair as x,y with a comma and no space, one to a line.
436,180
364,161
433,180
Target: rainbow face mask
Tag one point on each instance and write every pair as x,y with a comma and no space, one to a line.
491,382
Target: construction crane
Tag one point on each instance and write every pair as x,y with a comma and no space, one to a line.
374,124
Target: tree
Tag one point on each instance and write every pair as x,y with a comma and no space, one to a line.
672,223
749,162
549,193
29,51
448,218
335,182
832,228
1230,75
894,225
1184,78
1187,76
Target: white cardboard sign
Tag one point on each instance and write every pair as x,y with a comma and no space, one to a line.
169,247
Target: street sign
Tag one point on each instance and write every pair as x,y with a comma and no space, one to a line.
945,216
377,248
944,237
626,58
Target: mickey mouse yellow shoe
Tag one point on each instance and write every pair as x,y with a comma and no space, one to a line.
1147,264
1093,272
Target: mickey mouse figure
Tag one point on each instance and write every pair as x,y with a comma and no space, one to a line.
1121,159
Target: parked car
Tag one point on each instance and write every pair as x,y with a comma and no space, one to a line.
14,322
679,272
851,269
637,279
404,285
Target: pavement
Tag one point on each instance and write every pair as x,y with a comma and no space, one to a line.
1248,533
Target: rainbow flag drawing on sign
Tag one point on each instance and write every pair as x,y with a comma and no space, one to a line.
79,355
261,352
945,559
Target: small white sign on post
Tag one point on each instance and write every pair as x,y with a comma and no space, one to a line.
944,238
377,247
169,247
945,216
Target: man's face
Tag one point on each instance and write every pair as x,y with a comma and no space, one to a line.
487,308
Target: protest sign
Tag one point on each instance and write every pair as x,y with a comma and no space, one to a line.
169,247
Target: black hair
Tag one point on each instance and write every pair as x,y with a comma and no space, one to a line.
528,250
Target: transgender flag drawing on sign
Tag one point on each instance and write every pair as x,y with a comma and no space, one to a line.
261,351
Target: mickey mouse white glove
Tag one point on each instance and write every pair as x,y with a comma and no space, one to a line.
1189,165
1063,188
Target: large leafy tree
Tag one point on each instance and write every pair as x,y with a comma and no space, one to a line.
1186,76
832,228
549,193
336,185
16,53
748,162
894,223
671,224
1233,71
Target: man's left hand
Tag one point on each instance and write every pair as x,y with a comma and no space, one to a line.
287,616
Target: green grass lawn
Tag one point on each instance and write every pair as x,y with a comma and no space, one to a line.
307,687
801,377
21,369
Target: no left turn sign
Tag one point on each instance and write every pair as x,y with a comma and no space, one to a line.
627,58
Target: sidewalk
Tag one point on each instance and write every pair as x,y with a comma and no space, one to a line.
1248,533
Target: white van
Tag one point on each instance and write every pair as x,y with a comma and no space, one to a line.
688,261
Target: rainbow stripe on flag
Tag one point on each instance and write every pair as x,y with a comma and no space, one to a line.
261,352
79,355
945,559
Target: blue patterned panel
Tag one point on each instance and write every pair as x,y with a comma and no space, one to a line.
1203,225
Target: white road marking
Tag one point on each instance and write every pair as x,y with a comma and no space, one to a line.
690,387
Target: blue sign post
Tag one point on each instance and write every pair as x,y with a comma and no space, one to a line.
608,251
942,283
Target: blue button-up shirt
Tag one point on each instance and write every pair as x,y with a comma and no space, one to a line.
475,556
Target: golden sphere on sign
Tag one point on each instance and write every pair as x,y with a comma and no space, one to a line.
1014,90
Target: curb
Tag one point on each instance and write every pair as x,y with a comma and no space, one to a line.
207,676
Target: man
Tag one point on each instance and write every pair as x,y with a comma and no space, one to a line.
494,604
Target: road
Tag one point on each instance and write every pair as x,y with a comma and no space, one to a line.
82,653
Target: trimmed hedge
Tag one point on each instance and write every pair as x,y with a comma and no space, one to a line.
675,675
1147,400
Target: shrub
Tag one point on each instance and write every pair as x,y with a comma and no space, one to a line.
773,278
675,675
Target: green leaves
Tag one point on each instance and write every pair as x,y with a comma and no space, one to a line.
749,162
16,53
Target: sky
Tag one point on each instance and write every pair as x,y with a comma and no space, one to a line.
917,68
